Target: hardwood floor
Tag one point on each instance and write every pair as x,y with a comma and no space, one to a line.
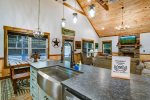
7,92
23,97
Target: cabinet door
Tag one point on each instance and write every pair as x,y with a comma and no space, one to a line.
43,95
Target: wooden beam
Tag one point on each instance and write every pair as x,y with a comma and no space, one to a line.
88,18
103,4
69,6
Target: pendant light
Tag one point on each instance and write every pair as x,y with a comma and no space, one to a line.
75,18
92,10
38,33
63,20
122,26
75,15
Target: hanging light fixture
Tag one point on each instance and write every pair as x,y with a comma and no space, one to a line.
92,10
122,26
75,18
63,20
38,33
75,15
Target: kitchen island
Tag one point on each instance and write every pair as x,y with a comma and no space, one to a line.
97,84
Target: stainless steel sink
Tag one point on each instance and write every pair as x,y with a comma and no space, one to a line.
50,78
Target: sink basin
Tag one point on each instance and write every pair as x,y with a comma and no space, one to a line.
50,78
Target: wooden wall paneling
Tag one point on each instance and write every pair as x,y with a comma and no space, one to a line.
115,54
144,57
77,57
1,66
3,72
55,57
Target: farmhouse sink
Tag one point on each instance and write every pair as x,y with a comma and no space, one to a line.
50,78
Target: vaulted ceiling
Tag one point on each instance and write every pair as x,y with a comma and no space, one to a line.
136,15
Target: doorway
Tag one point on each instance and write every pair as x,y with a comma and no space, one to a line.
88,47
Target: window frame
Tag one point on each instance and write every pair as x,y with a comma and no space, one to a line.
103,46
84,40
8,29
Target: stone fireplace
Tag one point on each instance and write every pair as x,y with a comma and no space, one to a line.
129,51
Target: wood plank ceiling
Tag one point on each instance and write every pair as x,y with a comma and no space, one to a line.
136,15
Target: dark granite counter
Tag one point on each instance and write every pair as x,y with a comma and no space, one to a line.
97,84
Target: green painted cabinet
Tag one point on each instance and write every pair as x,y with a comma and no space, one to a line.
35,91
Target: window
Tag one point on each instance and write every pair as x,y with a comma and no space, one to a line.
19,44
40,46
21,47
17,47
107,47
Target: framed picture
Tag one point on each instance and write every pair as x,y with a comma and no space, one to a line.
78,44
96,45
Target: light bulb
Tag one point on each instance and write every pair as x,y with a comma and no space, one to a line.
63,23
92,13
92,10
75,18
88,0
103,28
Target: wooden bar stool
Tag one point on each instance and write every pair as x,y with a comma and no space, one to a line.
18,76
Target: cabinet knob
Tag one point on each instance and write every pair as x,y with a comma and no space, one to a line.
45,97
32,95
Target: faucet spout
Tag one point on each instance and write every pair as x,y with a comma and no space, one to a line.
72,54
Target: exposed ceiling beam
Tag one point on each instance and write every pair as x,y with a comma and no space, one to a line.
103,4
88,18
69,6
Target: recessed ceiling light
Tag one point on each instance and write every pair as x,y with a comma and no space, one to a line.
88,0
103,28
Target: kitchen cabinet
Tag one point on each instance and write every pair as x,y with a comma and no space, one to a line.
33,84
35,91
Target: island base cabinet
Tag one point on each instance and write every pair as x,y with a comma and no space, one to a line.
33,84
34,96
35,91
43,95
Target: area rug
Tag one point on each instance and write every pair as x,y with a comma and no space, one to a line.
7,92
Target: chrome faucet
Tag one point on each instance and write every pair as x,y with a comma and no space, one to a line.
72,54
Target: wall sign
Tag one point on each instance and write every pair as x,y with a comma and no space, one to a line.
78,44
55,42
121,67
68,32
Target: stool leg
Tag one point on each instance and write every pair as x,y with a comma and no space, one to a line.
15,86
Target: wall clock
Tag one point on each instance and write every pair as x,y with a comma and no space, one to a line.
55,42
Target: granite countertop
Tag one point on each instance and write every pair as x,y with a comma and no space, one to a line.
97,84
43,64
